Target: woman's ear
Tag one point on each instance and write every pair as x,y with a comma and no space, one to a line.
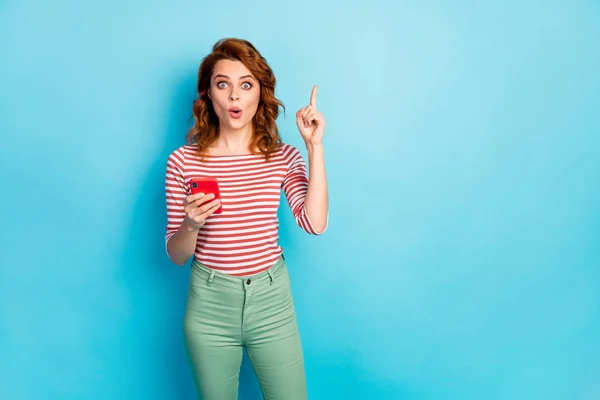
209,95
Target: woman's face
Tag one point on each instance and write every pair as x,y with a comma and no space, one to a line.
235,94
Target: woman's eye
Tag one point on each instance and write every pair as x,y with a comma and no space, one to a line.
222,85
246,85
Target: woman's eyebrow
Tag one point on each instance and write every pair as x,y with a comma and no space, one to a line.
226,77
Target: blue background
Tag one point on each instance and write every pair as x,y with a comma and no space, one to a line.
462,259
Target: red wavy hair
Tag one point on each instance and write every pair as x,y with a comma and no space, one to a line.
265,134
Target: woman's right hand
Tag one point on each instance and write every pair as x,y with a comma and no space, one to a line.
195,216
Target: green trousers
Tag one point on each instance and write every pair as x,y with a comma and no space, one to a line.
224,313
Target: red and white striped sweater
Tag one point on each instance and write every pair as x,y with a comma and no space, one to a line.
243,239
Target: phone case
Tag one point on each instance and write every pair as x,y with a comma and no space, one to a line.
207,185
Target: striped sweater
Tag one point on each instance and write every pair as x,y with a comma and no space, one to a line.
243,239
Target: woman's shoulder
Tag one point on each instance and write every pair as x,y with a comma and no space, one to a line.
290,153
289,150
183,152
180,156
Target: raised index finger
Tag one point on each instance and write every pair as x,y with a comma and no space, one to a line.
313,97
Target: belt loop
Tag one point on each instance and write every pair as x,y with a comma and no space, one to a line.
211,278
283,256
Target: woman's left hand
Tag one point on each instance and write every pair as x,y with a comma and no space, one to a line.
311,123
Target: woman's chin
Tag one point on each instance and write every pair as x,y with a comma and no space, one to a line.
236,125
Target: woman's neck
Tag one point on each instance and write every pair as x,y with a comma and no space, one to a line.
232,142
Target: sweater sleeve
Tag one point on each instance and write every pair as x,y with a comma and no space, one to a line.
295,186
175,191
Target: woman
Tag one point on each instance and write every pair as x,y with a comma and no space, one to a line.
239,291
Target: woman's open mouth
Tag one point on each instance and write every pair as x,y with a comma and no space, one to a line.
235,112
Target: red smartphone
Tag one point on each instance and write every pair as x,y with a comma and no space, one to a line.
206,186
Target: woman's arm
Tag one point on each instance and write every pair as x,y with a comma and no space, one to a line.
185,217
317,198
182,244
311,125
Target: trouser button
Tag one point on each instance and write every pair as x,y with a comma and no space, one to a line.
248,282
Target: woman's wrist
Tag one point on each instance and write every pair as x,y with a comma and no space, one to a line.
312,148
189,228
